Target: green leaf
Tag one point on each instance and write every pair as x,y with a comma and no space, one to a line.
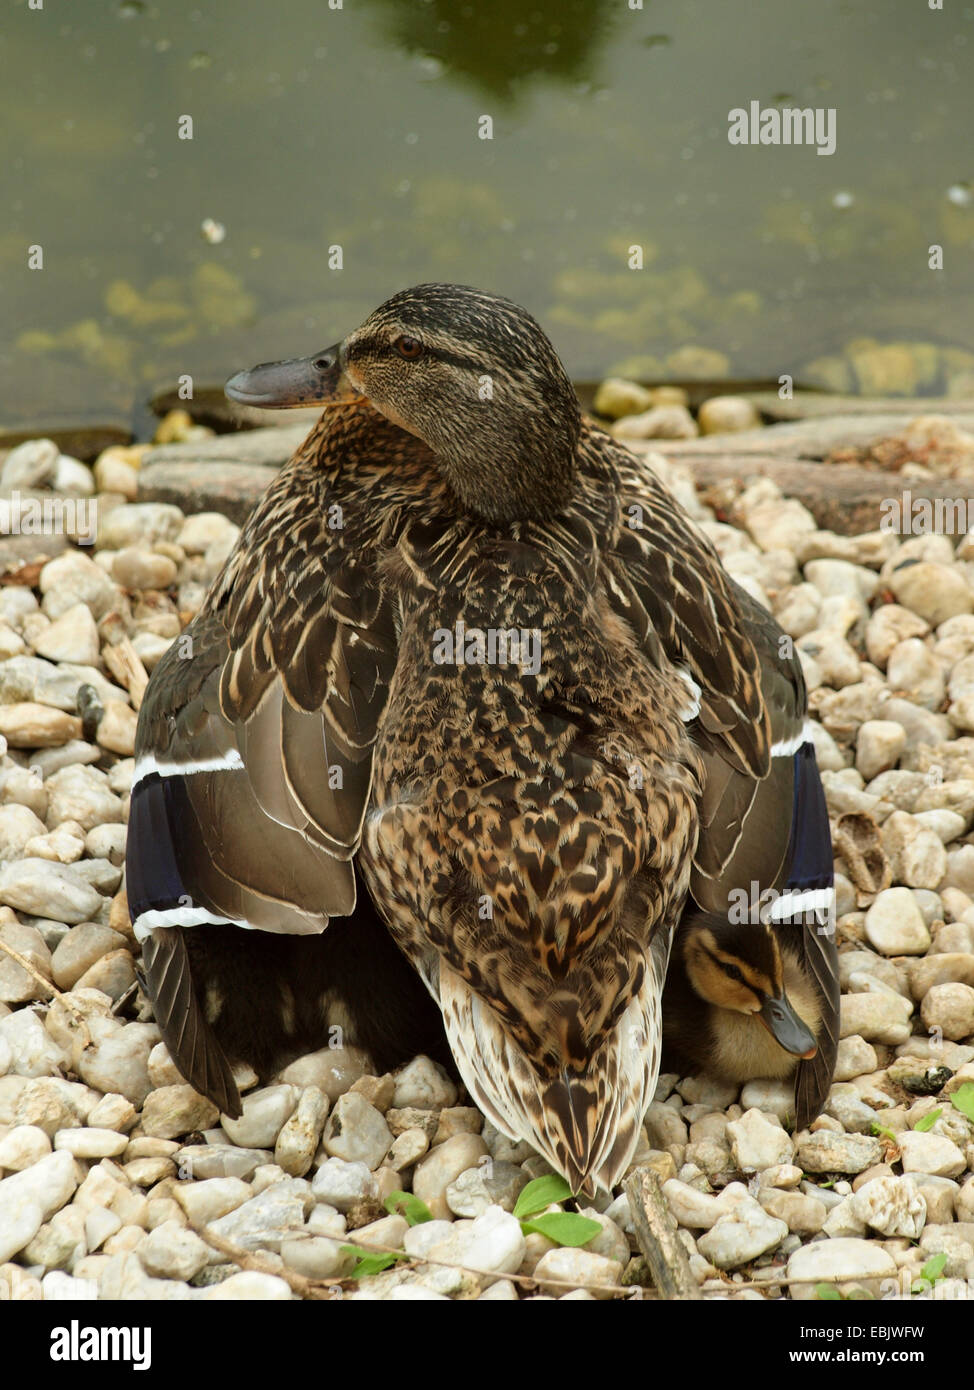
370,1261
934,1267
540,1193
880,1131
962,1098
827,1293
563,1227
928,1121
412,1208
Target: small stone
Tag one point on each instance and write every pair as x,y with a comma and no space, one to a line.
90,1143
458,1119
377,1090
577,1266
930,1153
30,465
18,986
891,1206
855,1057
33,1053
342,1184
776,1097
879,744
940,1195
79,949
741,1233
29,725
934,592
825,1152
265,1220
100,1224
423,1086
118,1060
442,1166
72,637
135,568
407,1148
356,1132
172,1251
949,1007
31,1197
216,1160
332,1070
707,1090
844,1263
617,397
317,1257
726,415
206,1201
493,1243
263,1118
22,1146
116,728
139,523
801,1214
488,1184
172,1111
82,794
877,1017
248,1286
756,1143
895,925
300,1134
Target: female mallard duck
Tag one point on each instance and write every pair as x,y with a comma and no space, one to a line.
469,646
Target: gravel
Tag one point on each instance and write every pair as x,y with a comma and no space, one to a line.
118,1181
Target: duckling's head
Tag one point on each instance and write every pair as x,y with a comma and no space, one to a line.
470,374
740,966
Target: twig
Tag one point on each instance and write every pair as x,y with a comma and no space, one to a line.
656,1232
313,1288
32,971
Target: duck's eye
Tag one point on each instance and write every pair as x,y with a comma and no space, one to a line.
410,348
734,974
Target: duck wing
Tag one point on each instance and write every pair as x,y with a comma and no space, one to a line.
668,583
254,755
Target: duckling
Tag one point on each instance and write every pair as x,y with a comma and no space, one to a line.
739,1004
469,654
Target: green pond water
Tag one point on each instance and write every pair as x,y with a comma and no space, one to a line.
359,127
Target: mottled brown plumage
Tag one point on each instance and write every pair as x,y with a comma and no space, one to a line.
529,819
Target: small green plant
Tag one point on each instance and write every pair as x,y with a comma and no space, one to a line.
882,1132
371,1261
412,1208
928,1121
563,1227
930,1273
828,1293
963,1099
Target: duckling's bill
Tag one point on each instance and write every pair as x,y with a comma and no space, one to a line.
300,381
787,1029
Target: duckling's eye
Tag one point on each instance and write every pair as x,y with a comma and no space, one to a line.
410,348
734,974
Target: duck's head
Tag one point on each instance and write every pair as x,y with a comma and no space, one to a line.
470,374
739,966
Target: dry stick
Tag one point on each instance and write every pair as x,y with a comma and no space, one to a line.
319,1288
656,1232
310,1287
35,974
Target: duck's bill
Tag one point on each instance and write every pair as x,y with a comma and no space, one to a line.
300,381
787,1029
